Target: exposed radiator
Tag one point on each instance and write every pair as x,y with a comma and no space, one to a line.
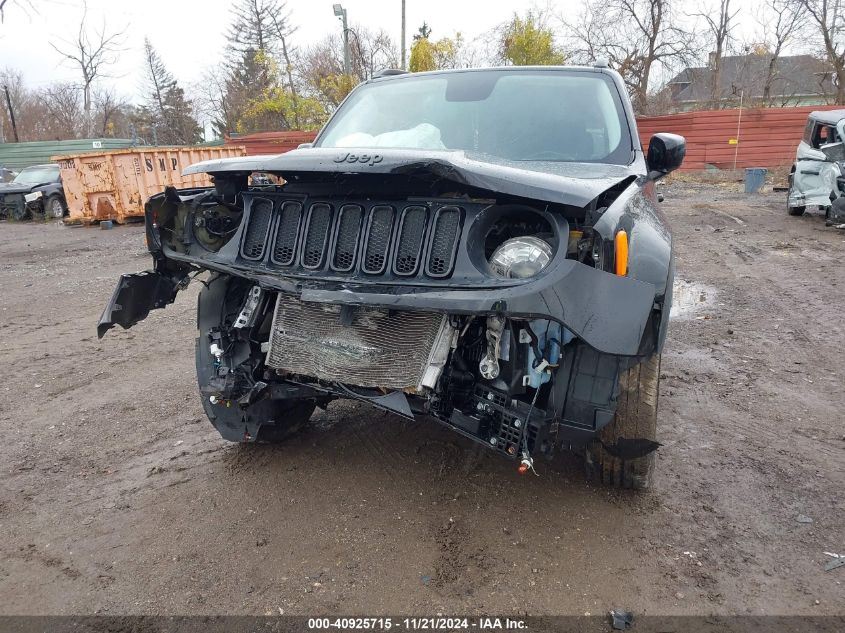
377,348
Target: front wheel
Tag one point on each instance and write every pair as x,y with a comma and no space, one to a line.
54,207
796,210
265,420
622,455
793,210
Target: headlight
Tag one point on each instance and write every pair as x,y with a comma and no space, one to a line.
521,257
32,197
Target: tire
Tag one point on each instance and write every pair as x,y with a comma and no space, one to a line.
635,423
54,207
793,210
269,421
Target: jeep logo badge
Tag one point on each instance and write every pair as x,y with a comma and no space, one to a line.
359,158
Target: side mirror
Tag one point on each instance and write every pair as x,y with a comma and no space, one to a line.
665,154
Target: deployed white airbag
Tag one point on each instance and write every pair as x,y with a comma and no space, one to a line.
422,136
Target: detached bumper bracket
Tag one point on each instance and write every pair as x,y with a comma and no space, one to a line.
136,294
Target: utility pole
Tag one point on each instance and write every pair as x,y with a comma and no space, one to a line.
404,67
738,127
11,113
340,12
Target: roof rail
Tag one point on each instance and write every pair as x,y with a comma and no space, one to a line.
389,72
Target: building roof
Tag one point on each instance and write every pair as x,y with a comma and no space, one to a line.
19,155
795,75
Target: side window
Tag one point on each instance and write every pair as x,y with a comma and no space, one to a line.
821,135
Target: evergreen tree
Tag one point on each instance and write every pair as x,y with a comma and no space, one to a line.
256,39
167,109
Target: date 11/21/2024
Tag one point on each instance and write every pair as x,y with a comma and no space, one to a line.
418,624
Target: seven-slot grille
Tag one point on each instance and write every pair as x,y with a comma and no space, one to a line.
405,240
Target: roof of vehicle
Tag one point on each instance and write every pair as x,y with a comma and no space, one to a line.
46,165
831,117
394,76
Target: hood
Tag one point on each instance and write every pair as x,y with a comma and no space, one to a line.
573,184
14,187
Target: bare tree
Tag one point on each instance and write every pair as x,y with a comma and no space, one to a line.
781,22
375,51
55,111
720,25
25,5
11,79
283,31
108,107
66,118
828,17
323,61
92,55
256,26
636,37
213,102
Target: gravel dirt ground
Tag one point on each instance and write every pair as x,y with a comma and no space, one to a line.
117,496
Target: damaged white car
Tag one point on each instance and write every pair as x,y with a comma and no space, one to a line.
818,176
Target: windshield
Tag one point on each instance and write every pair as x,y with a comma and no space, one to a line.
37,175
515,115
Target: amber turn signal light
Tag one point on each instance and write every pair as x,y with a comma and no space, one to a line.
621,255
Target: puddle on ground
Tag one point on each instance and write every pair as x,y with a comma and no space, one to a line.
690,298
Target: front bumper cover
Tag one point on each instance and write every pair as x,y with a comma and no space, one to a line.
136,294
610,313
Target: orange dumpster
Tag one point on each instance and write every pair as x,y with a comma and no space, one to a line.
113,185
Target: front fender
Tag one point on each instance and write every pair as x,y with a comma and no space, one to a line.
650,257
814,182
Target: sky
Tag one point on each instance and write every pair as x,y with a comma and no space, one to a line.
189,34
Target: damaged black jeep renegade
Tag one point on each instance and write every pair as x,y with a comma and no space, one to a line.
479,247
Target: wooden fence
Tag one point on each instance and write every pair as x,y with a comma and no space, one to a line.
768,137
271,142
